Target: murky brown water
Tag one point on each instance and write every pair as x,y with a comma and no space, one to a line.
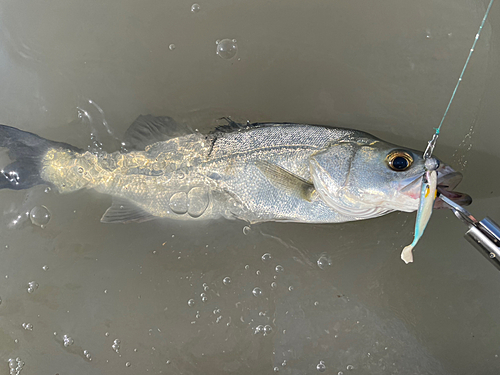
330,298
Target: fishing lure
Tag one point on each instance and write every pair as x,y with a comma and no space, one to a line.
427,197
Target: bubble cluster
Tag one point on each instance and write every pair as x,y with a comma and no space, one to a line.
204,297
15,366
67,340
226,48
264,329
194,202
87,355
40,216
32,286
28,326
116,345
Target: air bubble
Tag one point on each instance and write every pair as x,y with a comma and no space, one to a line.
227,48
127,364
349,367
226,280
321,366
276,369
267,329
40,216
45,268
67,340
246,230
195,8
274,285
179,203
171,47
32,286
191,302
198,200
279,268
266,257
323,261
257,291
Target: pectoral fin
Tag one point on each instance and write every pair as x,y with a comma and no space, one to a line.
289,182
123,211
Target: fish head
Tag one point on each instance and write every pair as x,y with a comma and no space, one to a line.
369,178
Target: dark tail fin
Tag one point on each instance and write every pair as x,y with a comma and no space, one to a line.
26,150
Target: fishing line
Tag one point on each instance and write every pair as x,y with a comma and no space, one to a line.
432,143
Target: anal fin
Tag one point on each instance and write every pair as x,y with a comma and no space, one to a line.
283,179
124,211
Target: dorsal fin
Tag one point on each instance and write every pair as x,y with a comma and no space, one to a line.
149,129
124,211
230,127
233,126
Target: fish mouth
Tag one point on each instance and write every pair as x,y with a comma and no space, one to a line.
448,179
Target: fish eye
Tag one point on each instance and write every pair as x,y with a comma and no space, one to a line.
399,160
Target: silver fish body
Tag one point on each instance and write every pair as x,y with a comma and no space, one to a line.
258,172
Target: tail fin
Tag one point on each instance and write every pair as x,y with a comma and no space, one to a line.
27,151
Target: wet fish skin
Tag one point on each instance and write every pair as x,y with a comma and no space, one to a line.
259,172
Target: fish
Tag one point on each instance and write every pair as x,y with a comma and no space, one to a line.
255,172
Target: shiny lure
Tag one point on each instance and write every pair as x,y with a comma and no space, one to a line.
427,197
